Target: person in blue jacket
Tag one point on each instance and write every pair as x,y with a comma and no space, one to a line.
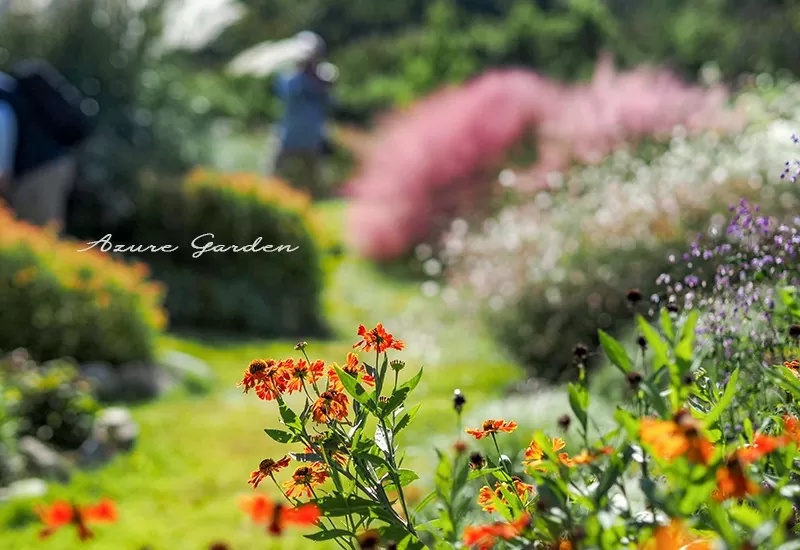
302,132
36,170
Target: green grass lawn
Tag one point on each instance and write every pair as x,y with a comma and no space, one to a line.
179,488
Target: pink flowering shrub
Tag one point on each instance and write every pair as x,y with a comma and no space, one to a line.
438,158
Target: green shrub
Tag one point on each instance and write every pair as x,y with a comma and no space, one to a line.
60,302
50,402
270,294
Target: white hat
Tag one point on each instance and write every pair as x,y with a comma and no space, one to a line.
312,44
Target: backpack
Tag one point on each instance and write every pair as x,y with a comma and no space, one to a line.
55,102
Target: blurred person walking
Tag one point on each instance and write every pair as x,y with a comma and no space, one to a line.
301,138
40,122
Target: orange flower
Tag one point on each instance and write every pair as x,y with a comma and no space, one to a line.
484,537
488,498
491,427
589,456
675,536
301,372
377,338
732,481
793,366
336,455
262,510
561,544
268,377
680,436
762,445
535,457
791,425
267,467
305,478
62,513
331,405
354,368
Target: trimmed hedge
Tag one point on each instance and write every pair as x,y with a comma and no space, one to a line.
59,302
269,294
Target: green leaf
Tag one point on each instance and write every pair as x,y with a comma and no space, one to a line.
384,440
399,396
748,428
406,419
685,348
615,352
579,401
424,502
355,389
476,474
337,505
720,520
746,516
610,476
442,478
406,476
666,324
328,534
280,436
655,342
725,401
288,416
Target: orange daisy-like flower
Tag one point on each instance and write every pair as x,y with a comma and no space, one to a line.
354,368
267,467
762,445
561,544
484,537
791,426
490,427
678,437
305,478
331,405
336,455
589,456
793,366
276,516
302,372
732,482
535,457
267,376
62,513
377,338
488,499
675,536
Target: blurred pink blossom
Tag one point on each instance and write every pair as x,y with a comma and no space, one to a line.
439,158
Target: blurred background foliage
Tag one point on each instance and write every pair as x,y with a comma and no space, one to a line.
596,190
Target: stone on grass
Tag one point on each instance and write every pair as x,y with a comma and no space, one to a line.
44,461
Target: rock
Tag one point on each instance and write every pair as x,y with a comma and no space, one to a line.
42,460
116,427
24,488
114,432
142,382
184,364
105,380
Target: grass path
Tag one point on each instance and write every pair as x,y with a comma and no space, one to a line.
178,490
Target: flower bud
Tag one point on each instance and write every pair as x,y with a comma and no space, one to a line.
794,331
369,540
476,461
580,353
458,400
642,342
397,365
300,346
634,379
564,421
634,296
